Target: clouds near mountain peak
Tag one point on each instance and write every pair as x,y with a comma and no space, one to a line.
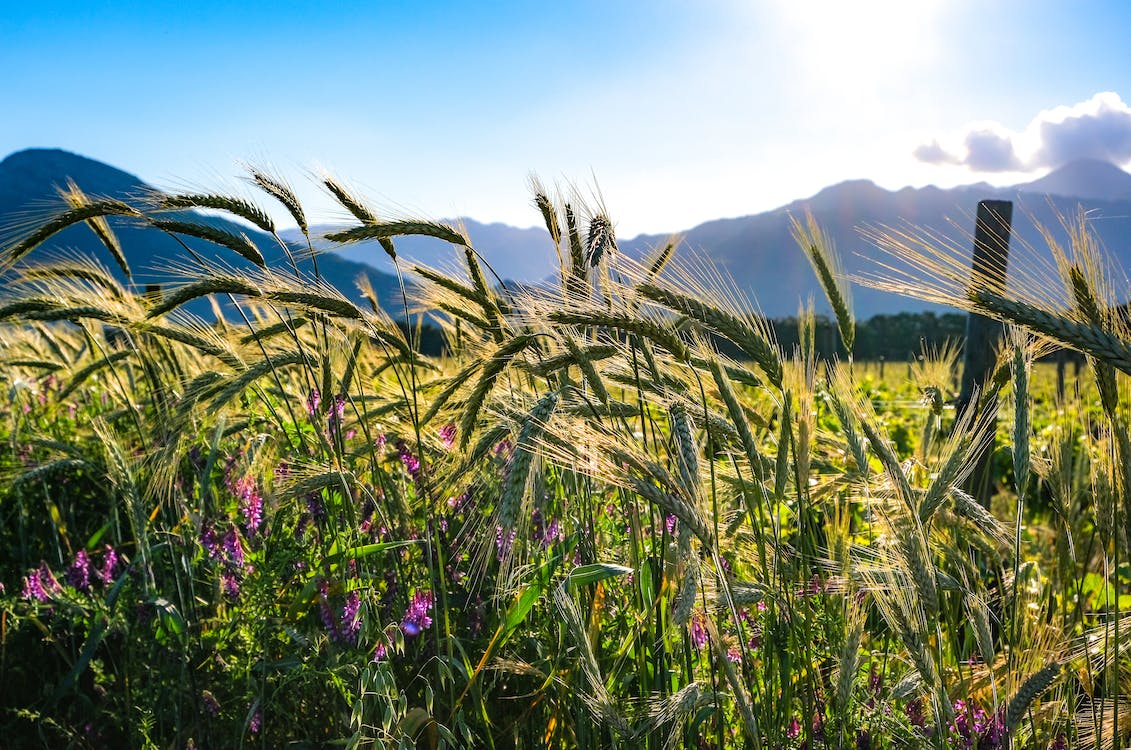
1099,128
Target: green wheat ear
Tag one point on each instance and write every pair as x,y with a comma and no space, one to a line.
818,248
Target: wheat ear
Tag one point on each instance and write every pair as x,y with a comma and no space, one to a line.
818,248
239,243
723,323
91,210
1029,691
244,209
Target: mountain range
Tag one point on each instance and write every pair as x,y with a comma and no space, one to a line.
29,192
757,251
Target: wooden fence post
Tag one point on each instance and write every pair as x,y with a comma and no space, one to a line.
987,271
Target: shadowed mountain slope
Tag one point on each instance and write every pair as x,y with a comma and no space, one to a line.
29,182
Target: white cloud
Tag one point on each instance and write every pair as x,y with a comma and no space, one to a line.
1099,128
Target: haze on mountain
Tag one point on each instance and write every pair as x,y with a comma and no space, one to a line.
757,251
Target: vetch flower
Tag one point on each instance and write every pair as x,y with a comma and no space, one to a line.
209,703
337,413
411,462
33,587
78,575
416,618
251,504
698,630
109,565
229,584
351,620
448,435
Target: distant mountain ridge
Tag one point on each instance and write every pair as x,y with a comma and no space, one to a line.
757,250
29,182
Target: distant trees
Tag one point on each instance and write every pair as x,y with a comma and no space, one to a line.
894,337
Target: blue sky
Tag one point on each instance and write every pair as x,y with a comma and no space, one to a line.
678,112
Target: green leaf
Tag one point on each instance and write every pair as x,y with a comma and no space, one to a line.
584,575
521,606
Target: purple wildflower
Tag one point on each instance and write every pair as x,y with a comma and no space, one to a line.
1060,743
209,703
448,435
209,543
669,524
251,504
381,653
313,401
411,462
351,620
734,655
337,413
863,740
915,713
504,541
109,565
233,548
78,575
33,587
230,584
326,613
698,630
416,618
794,729
316,508
256,722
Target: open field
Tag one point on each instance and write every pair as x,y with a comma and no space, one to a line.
582,527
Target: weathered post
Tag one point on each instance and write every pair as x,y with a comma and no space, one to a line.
987,271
